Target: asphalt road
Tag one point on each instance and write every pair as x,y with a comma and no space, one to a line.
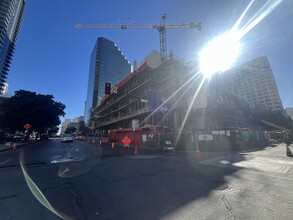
79,181
54,151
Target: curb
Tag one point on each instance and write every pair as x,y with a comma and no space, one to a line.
9,148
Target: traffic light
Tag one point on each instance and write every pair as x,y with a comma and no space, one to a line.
107,88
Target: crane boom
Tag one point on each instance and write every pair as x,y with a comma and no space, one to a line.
160,27
140,26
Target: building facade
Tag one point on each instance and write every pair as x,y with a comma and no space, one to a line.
11,15
153,60
77,123
74,125
5,88
168,99
290,112
64,125
78,119
255,83
107,64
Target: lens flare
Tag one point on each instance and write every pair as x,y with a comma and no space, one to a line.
220,53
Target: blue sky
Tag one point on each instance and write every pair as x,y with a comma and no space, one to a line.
52,57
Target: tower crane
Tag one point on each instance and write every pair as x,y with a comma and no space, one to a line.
160,27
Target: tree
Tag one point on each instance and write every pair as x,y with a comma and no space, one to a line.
70,130
42,112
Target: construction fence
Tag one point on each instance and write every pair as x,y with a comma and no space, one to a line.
224,140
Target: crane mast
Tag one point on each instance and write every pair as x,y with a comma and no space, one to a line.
163,39
161,28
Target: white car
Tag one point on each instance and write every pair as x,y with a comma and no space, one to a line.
67,139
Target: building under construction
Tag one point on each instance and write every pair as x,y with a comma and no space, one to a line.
170,102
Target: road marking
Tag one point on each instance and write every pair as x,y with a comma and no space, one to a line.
285,169
6,161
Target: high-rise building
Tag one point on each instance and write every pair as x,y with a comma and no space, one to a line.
4,89
254,82
107,64
290,112
11,12
64,125
78,119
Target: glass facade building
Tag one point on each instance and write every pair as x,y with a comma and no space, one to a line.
11,15
107,64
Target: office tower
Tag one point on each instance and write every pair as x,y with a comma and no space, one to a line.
11,14
255,83
290,112
107,64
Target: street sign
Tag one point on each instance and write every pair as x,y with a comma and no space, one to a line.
126,141
216,132
27,126
205,137
222,132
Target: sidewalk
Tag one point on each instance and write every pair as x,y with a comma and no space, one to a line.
271,160
278,151
8,146
223,152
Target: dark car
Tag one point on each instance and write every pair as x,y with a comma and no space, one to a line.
18,137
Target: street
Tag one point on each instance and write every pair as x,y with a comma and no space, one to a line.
80,181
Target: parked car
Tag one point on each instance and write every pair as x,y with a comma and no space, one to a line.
67,139
18,137
9,137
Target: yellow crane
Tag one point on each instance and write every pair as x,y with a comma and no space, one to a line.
160,27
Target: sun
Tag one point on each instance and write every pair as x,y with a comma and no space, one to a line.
220,53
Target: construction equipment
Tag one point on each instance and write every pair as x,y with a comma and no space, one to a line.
160,27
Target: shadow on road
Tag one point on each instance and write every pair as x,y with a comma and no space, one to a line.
152,186
142,187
